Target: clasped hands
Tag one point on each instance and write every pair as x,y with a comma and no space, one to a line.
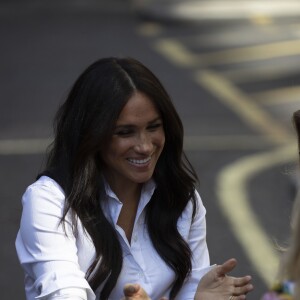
214,285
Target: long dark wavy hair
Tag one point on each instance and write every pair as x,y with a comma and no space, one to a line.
83,126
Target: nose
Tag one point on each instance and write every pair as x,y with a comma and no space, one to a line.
143,144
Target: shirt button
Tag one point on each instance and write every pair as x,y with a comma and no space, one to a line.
135,238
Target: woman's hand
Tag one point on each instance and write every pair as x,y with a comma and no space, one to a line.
216,285
135,292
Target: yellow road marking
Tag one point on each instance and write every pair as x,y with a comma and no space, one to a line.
279,96
149,29
243,106
252,53
180,55
23,146
176,52
256,73
232,194
261,19
233,179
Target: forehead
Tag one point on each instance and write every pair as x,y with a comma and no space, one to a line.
139,107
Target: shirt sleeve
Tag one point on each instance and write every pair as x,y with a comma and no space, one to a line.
194,232
47,251
68,293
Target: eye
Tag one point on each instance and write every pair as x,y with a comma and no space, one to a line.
154,126
124,132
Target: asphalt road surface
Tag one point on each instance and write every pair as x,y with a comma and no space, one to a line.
234,80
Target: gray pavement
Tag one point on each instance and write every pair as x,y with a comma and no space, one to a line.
45,45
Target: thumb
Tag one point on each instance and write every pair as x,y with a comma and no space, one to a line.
130,289
226,267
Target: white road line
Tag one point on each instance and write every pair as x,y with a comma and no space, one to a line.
233,196
23,146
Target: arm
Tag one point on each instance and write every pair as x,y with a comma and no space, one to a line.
209,282
48,254
194,233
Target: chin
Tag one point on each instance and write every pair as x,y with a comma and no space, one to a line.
143,179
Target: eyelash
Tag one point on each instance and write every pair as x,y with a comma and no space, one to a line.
154,126
128,132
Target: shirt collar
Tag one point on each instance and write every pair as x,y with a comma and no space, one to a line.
147,190
113,205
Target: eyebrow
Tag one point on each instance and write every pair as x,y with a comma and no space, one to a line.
132,126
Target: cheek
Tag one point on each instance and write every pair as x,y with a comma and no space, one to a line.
118,147
161,139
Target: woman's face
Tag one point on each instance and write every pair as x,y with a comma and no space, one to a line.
136,144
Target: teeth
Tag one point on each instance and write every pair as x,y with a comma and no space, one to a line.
139,161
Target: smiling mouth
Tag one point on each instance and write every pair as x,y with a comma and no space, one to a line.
139,161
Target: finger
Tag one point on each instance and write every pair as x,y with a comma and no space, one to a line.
241,281
130,289
242,290
241,297
226,267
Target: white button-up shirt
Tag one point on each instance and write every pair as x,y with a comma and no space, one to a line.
55,261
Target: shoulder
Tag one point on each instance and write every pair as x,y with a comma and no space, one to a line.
45,183
44,189
195,203
194,207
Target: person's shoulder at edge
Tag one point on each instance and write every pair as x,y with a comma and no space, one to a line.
45,184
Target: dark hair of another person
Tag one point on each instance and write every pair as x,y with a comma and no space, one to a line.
290,267
83,126
296,122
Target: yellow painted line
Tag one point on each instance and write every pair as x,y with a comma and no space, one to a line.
261,72
149,29
233,196
252,53
261,19
180,55
23,146
279,96
243,106
176,52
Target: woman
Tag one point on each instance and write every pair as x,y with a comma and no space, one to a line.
288,285
117,200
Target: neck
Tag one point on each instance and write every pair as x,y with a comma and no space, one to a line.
124,191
